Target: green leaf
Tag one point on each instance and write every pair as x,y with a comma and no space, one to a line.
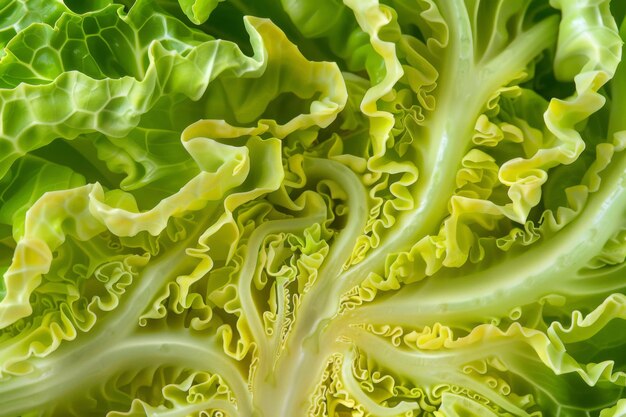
324,208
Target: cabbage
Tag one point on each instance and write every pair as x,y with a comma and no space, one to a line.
312,208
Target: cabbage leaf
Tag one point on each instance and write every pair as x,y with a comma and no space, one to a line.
312,208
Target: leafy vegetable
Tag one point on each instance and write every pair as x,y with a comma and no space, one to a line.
322,208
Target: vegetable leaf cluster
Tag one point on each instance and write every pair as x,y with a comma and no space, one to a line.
282,208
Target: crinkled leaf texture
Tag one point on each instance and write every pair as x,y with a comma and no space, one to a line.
312,208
